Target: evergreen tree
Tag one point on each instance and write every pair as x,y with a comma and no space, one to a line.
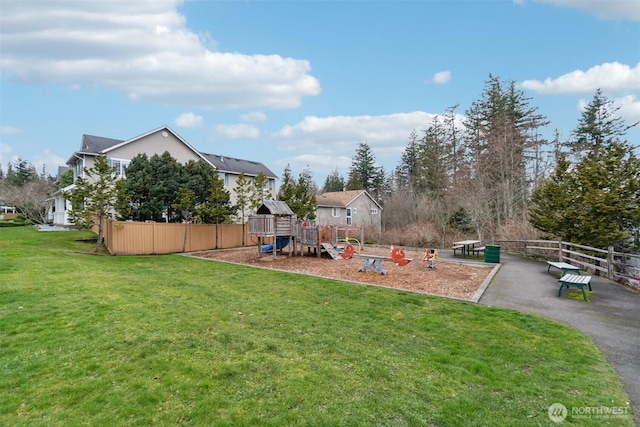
94,197
307,203
186,206
21,172
598,202
260,191
363,173
552,204
66,178
287,189
609,198
433,155
243,200
334,182
500,127
152,185
137,185
122,204
217,209
407,173
197,176
599,126
300,194
168,177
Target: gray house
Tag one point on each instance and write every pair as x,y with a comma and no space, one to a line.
120,152
353,208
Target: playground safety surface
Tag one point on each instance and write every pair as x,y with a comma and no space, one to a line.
449,279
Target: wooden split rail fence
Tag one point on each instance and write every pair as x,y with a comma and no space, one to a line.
618,266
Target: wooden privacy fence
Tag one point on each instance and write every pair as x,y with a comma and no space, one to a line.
619,266
145,238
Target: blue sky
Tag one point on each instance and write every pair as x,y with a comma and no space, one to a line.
297,82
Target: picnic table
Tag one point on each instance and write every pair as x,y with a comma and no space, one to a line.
575,280
563,267
467,246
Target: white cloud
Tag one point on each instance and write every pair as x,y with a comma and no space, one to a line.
610,9
320,165
50,161
144,49
8,130
237,131
188,120
629,108
254,116
442,77
334,139
610,76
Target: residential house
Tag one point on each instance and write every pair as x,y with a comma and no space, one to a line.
353,208
120,152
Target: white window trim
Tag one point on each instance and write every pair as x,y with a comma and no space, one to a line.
123,163
79,164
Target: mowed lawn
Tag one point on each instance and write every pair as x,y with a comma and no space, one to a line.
171,340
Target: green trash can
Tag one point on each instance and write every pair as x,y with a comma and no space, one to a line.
492,254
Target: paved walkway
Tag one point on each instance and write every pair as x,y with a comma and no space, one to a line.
611,319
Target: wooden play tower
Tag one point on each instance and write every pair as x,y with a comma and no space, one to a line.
274,220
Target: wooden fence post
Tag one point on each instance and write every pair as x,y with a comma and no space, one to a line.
561,258
610,263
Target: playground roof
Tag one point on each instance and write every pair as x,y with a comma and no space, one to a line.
274,207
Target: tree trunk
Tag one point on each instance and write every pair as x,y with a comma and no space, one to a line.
100,239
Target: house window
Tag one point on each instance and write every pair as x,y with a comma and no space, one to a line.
226,179
78,168
349,217
120,165
335,212
374,211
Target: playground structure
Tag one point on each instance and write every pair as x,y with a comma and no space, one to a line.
374,262
430,257
274,220
332,239
276,227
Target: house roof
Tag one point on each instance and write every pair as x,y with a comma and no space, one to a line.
94,145
230,164
274,207
342,199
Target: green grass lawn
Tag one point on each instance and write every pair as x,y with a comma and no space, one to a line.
163,340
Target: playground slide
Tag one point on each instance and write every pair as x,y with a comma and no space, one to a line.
281,242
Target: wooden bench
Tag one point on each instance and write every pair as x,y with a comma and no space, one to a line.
476,251
455,248
575,280
563,266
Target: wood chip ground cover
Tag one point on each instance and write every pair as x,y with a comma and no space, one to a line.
448,279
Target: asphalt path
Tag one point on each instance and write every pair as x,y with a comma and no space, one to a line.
611,318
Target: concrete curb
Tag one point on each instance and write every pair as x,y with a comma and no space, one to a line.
483,287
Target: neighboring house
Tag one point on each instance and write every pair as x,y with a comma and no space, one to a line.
120,152
354,208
